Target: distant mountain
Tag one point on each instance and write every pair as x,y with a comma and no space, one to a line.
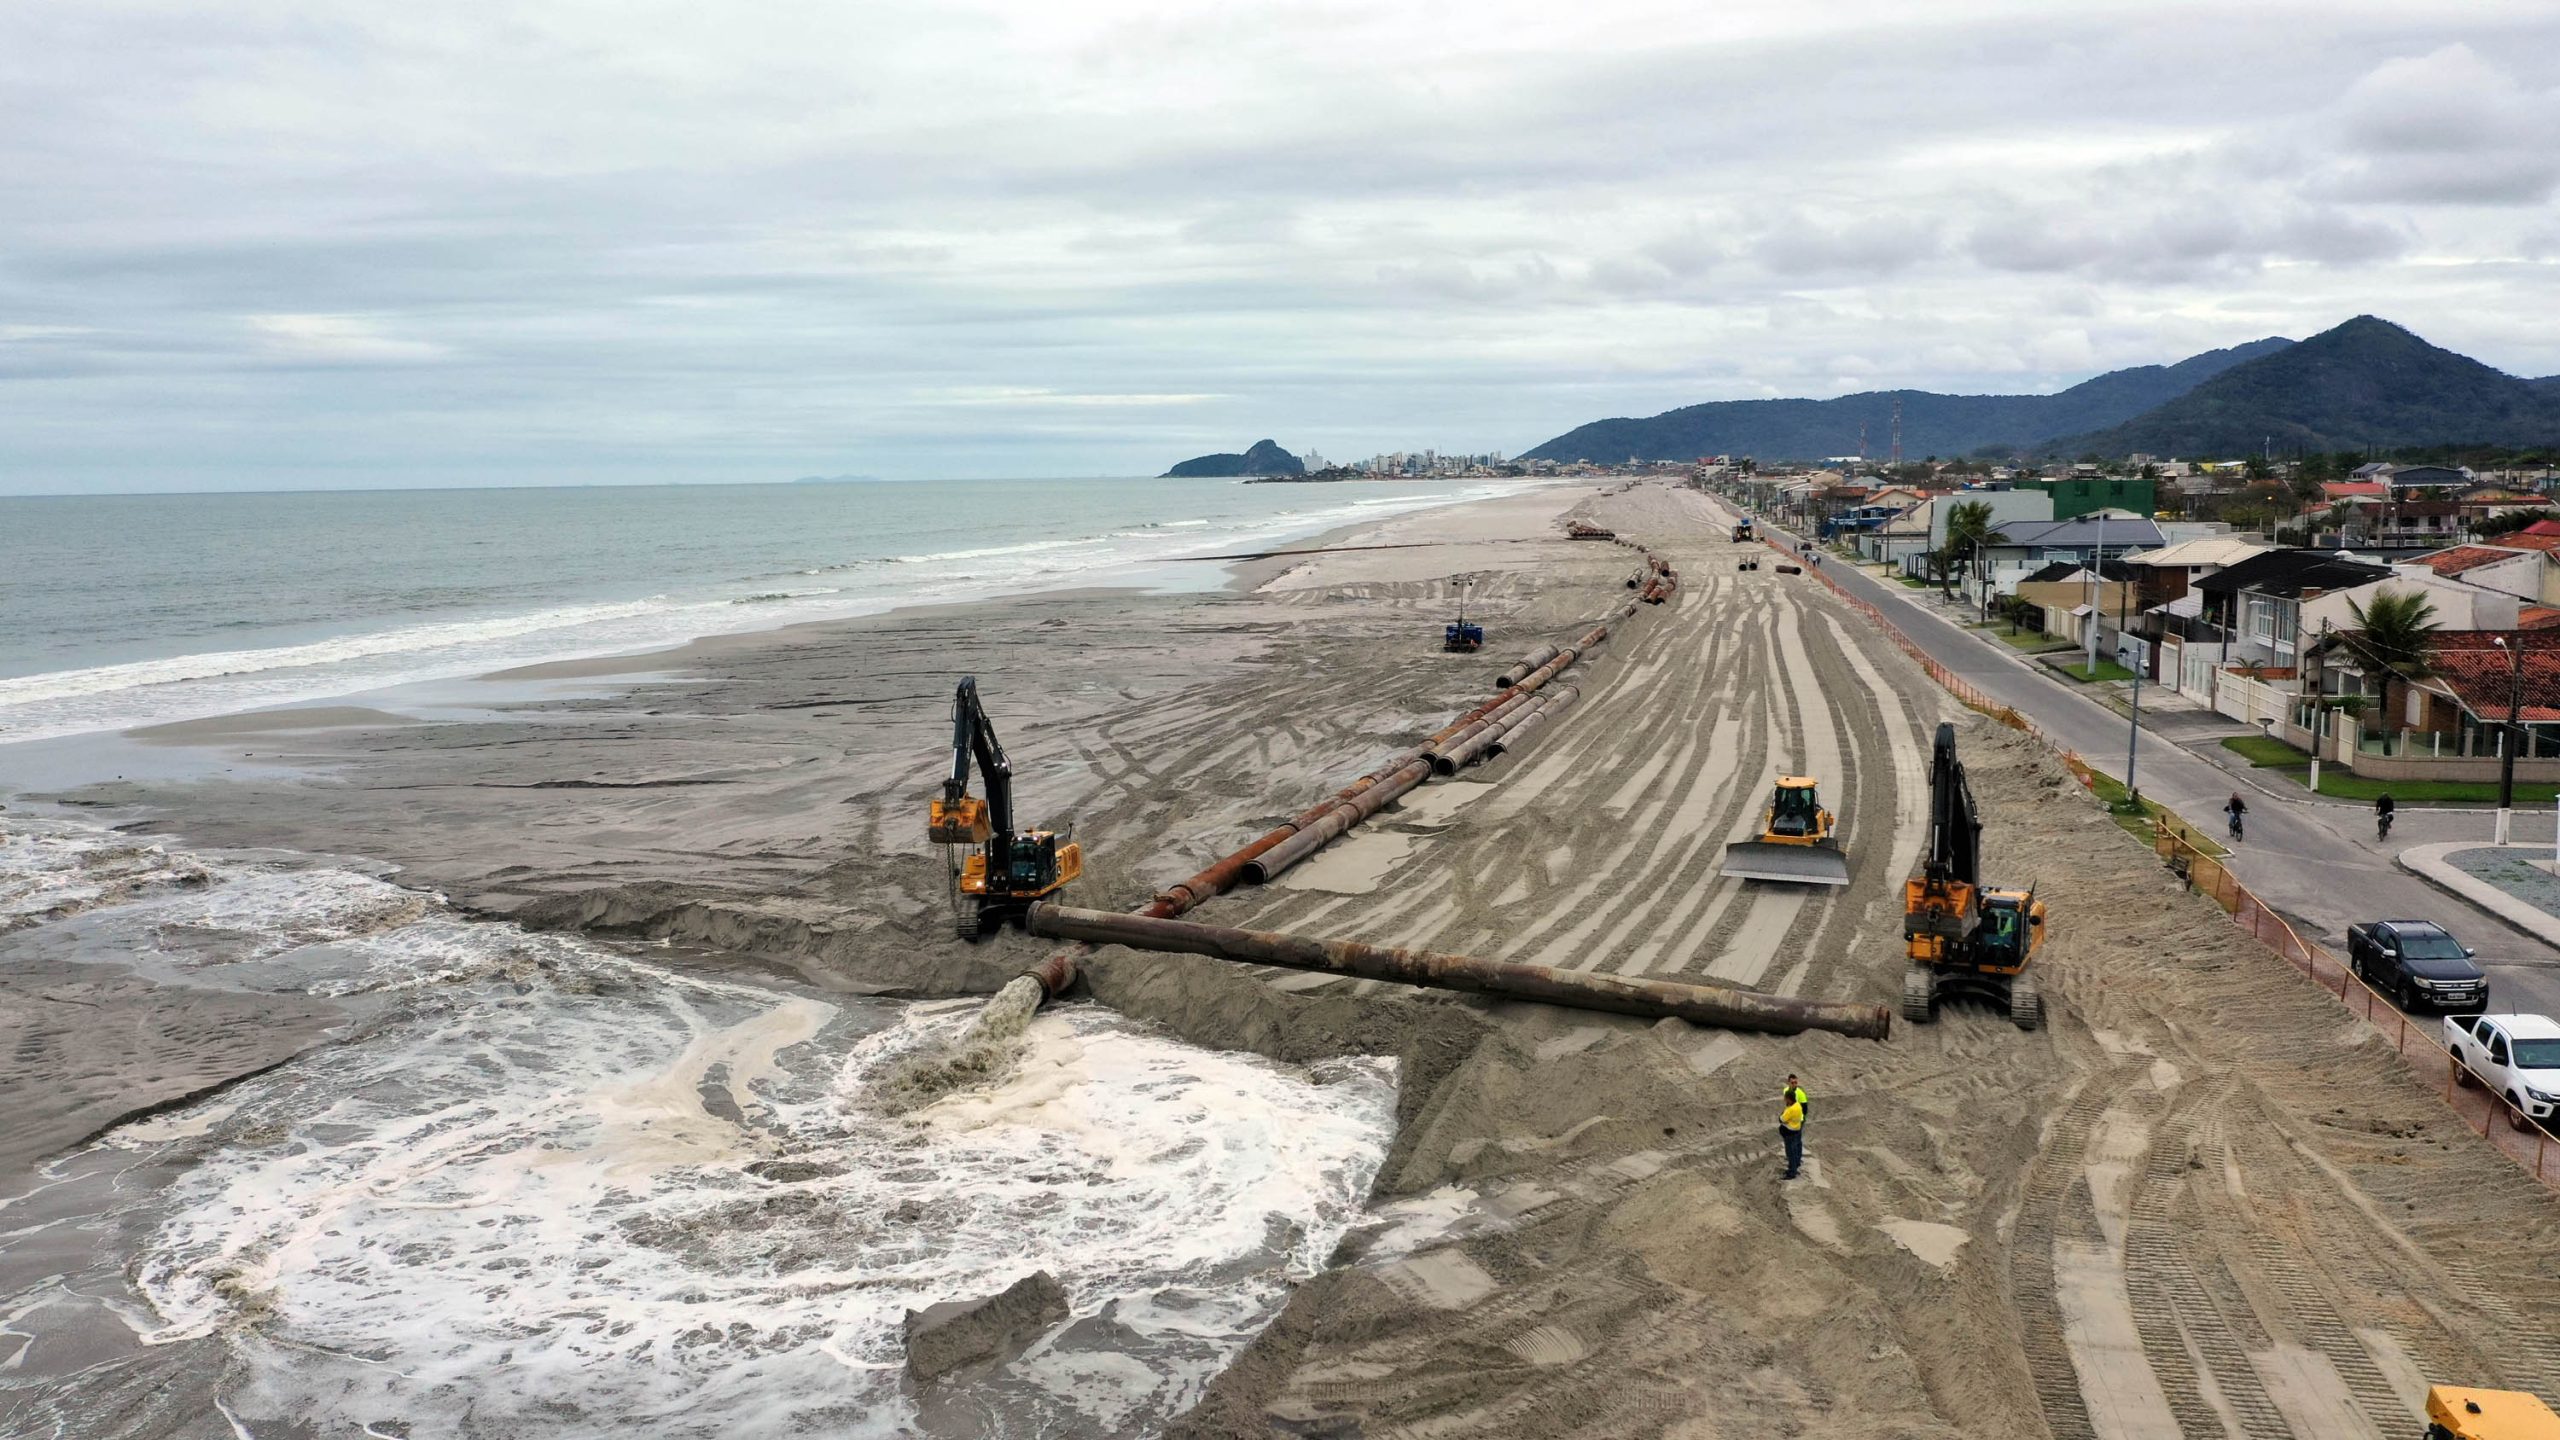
1265,458
2367,382
1932,424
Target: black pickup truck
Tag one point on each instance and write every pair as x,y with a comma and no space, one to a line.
2418,965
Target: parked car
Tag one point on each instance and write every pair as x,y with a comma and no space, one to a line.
2515,1056
2418,965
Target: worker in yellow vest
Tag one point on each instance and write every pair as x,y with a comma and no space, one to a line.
1791,1133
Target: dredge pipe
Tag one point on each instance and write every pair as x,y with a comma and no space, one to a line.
1226,873
1439,752
1480,744
1578,989
1523,666
1512,734
1055,974
1267,866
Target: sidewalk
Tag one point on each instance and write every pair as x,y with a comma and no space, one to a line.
2497,878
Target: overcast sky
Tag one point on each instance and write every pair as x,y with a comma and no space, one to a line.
256,245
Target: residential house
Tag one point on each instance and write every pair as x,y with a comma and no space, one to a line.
2427,477
2248,626
2171,608
2529,574
2008,508
2028,546
2450,725
1900,538
2074,597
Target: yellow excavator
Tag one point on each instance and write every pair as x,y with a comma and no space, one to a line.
2455,1412
1964,937
1005,869
1796,844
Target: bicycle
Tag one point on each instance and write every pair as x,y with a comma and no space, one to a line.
2235,822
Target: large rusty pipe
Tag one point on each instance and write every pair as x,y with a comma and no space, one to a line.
1447,762
1224,875
1579,989
1518,731
1055,974
1267,866
1493,718
1523,666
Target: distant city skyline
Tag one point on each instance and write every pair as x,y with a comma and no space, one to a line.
337,245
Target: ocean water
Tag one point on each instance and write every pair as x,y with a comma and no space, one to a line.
141,609
548,1187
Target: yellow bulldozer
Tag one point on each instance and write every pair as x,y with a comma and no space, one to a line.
1796,844
2455,1412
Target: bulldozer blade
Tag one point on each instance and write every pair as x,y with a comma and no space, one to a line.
1793,864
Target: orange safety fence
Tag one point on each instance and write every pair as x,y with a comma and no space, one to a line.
2490,1116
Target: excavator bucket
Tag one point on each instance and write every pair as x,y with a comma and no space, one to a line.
1791,864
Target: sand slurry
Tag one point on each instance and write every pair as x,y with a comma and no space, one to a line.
2199,1203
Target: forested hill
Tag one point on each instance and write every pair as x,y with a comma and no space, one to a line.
1932,424
2367,382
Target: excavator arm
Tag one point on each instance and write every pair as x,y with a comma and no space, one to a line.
1940,906
957,818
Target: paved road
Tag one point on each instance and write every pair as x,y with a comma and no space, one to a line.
2316,862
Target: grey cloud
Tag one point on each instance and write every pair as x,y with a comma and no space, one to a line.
349,241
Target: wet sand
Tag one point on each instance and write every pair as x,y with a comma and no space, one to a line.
2199,1203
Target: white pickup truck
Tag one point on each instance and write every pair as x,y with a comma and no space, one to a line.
2515,1056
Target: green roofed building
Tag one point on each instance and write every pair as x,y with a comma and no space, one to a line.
2081,494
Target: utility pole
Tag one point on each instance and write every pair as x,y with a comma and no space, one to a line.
2092,668
2507,742
2318,692
2133,728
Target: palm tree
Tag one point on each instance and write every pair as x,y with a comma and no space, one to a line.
2390,639
1968,524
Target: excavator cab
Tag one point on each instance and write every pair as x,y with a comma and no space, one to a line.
1006,869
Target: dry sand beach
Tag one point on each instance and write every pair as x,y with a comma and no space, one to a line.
2199,1203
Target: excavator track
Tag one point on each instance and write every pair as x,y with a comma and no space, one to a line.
2026,1003
1919,995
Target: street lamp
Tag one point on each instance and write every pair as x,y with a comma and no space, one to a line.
2507,742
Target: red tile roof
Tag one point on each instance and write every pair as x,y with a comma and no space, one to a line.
2349,489
2481,674
2538,617
2543,527
2464,557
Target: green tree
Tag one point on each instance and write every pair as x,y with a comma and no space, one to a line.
2389,639
1968,524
